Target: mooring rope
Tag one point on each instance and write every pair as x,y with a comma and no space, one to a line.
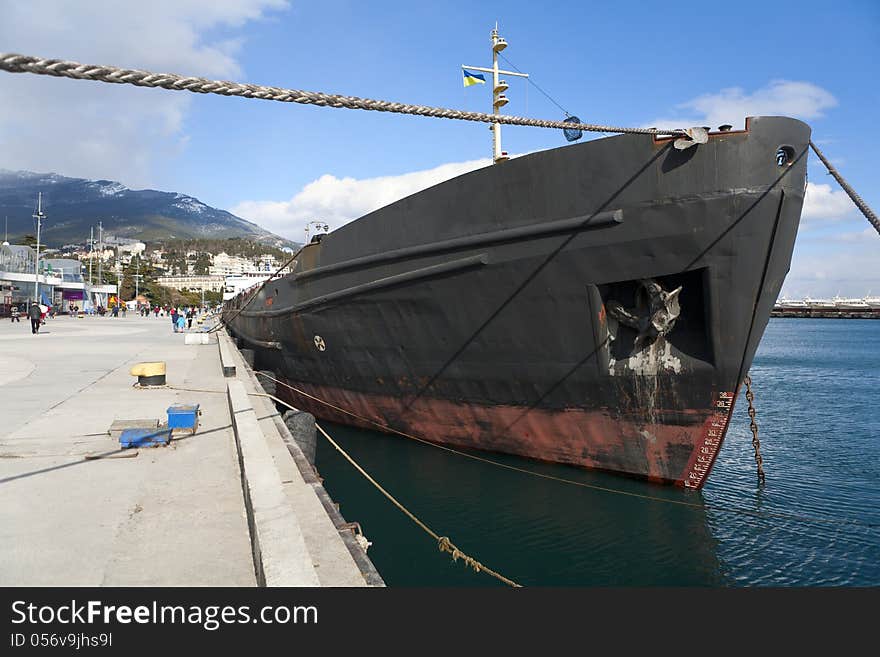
859,202
15,63
444,544
653,498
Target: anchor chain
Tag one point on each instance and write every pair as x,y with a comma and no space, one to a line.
750,396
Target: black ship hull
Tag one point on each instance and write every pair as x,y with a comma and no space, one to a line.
596,305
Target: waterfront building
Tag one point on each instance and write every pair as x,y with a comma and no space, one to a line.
18,279
224,264
71,290
192,283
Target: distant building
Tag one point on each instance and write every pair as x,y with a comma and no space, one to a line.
227,265
60,281
97,254
71,291
134,248
193,283
266,262
17,279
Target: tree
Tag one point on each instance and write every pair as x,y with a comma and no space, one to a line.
29,240
202,263
147,272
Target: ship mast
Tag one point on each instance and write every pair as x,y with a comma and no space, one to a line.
499,86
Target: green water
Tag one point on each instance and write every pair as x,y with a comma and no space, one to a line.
815,383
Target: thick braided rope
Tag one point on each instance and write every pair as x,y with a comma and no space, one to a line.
860,204
15,63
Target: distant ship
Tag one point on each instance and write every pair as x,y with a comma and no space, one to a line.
235,284
783,304
820,304
596,305
873,302
842,303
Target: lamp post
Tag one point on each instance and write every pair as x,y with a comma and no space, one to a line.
39,217
91,250
137,278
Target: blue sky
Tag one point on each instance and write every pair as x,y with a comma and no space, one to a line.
622,63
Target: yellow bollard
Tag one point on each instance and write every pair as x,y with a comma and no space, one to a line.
149,374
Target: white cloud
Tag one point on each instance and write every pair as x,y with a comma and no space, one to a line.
107,131
850,269
821,202
802,100
867,235
337,201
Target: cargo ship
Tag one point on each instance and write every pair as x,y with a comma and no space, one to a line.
596,304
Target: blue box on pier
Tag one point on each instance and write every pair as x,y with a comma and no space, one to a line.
142,437
183,417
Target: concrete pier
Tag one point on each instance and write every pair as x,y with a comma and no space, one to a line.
75,509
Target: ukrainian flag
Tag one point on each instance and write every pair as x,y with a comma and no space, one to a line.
473,78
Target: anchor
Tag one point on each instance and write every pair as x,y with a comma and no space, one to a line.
655,320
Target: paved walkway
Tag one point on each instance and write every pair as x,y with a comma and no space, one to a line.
167,517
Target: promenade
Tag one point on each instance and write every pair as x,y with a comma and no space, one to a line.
172,516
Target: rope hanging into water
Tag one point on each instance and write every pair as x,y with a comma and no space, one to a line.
859,202
443,542
15,63
764,515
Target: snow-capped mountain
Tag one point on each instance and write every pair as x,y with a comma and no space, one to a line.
72,205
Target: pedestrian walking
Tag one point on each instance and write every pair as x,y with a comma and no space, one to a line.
14,314
181,322
189,318
35,315
173,314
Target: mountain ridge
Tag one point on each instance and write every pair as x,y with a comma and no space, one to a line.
73,205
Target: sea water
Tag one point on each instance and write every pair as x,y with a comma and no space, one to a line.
816,521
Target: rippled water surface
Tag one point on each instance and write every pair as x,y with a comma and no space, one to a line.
814,523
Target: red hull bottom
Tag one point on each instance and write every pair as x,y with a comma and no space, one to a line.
681,455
